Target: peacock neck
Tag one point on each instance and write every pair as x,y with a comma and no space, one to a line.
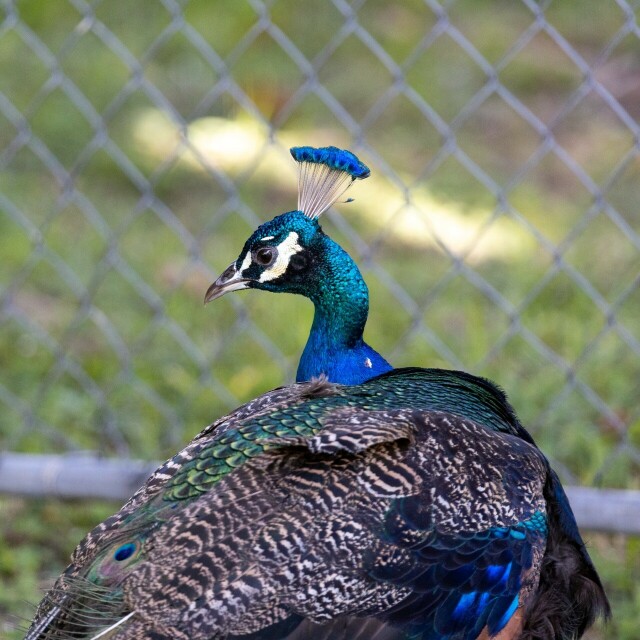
335,346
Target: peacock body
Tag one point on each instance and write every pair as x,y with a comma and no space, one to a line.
370,502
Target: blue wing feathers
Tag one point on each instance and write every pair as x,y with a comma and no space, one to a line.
501,613
463,581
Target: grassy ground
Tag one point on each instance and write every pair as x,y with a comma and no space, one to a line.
145,366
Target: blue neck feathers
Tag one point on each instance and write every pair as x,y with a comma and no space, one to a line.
335,346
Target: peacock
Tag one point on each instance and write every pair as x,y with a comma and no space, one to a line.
363,502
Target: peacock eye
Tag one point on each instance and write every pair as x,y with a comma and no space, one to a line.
265,256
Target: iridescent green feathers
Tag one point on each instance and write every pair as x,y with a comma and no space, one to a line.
420,389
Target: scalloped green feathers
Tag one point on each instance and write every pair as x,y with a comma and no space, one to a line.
325,173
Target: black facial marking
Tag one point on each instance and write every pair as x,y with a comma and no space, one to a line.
298,262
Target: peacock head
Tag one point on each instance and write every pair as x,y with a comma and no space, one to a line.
291,253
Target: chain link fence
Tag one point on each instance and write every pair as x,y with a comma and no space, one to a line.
141,143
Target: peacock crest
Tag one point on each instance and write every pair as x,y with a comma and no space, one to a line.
324,175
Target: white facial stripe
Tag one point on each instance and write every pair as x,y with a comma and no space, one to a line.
245,263
288,247
267,238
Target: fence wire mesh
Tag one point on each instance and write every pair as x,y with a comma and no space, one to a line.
141,143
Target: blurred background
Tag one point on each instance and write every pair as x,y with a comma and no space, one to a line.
142,142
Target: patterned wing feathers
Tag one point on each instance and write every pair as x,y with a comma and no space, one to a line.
337,515
318,541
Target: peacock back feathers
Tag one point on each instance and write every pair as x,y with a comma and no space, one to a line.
345,506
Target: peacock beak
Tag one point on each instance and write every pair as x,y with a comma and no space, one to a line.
230,280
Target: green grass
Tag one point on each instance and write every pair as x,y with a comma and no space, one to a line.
156,366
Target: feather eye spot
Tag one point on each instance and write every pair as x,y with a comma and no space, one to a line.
125,551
